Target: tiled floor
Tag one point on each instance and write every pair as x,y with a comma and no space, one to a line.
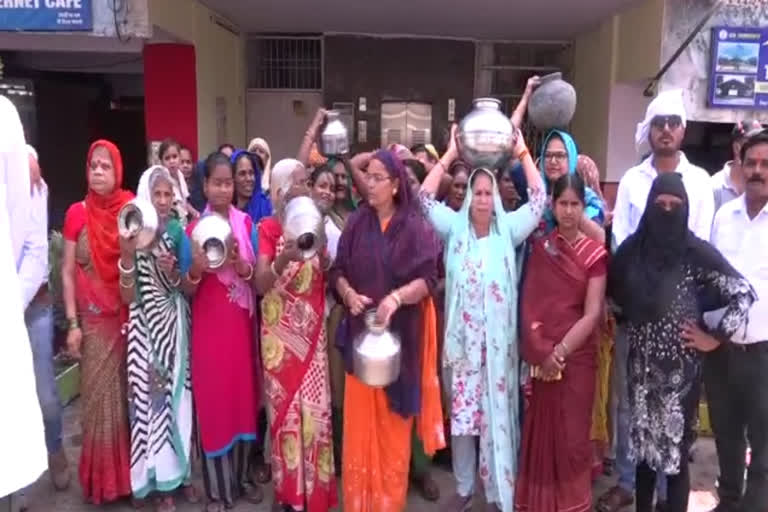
41,496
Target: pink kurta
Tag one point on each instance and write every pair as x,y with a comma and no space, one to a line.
223,382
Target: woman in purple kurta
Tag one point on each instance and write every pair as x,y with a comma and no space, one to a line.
387,259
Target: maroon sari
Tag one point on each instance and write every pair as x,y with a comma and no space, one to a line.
556,454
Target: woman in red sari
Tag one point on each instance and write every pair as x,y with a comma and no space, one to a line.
563,294
95,315
294,356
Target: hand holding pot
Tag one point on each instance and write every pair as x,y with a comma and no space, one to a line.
199,260
127,244
453,150
532,83
386,309
317,123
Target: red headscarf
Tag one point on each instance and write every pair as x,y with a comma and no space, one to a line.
101,217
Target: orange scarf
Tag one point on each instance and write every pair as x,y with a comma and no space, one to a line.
101,218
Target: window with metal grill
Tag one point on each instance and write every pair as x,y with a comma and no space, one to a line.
293,63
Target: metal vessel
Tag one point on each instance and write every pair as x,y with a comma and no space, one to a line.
485,136
334,139
304,224
214,235
553,103
138,218
377,350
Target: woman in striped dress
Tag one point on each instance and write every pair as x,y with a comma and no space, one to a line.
159,388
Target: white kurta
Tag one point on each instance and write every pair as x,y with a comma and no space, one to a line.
23,456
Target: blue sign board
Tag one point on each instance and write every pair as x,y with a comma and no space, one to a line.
739,72
45,15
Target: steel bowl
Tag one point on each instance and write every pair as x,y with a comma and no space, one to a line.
138,219
214,235
304,224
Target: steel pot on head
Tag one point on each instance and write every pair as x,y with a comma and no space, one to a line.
334,139
376,358
214,235
303,223
138,218
485,135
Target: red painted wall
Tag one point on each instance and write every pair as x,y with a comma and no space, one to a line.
170,93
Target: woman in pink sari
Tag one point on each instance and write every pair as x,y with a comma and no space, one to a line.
223,382
564,291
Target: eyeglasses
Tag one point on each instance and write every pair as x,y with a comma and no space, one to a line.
375,178
557,156
659,122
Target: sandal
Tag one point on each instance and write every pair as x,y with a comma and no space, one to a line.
614,500
428,488
263,473
165,504
191,494
215,506
608,465
253,494
459,503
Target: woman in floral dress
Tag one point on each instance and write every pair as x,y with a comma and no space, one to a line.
295,358
481,316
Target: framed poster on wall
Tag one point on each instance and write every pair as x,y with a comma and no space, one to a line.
739,68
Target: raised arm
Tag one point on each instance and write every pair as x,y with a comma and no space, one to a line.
524,220
432,182
311,136
522,106
358,164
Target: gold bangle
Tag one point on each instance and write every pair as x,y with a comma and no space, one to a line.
250,274
273,268
193,281
395,295
127,285
124,270
522,154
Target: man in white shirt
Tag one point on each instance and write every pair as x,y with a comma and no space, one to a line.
22,443
728,183
737,391
663,129
38,316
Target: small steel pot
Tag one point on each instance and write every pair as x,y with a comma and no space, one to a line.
334,139
376,358
214,235
304,224
138,218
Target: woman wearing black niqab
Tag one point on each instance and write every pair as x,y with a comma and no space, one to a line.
662,278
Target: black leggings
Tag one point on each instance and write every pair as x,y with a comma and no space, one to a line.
678,487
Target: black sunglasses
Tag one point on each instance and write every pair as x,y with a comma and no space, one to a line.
660,122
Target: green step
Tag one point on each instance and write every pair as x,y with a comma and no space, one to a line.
67,378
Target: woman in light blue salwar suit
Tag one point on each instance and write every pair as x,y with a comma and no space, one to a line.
480,350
